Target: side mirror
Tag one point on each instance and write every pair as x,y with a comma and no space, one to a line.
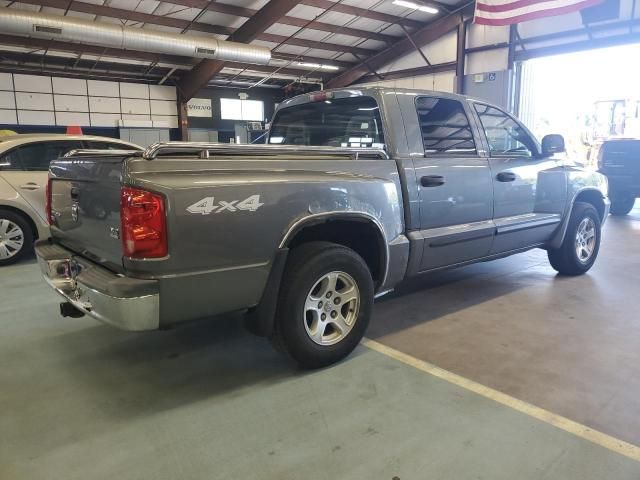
552,144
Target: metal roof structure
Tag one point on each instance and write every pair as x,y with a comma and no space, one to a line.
311,40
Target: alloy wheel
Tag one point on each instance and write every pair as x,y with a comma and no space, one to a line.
11,239
331,308
585,239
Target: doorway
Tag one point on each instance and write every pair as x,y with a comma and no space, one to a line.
585,96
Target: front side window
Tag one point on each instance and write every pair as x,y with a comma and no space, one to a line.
445,127
340,122
505,136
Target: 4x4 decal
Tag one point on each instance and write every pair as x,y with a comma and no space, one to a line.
207,205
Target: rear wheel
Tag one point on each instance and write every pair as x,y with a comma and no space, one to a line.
16,237
581,244
622,204
325,304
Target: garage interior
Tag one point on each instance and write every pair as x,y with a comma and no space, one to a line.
497,370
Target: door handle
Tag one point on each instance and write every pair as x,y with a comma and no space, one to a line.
30,186
432,180
506,177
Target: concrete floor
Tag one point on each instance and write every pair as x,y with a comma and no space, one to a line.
80,400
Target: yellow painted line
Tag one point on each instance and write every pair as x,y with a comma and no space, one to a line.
594,436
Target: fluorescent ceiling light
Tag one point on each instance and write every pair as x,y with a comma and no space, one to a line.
317,65
415,6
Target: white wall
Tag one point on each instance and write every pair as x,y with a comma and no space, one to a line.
441,82
443,50
49,101
491,60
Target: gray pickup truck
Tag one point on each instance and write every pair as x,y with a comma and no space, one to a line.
357,190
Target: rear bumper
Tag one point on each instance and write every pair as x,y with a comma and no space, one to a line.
625,184
126,303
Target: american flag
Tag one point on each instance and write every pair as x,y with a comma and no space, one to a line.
508,12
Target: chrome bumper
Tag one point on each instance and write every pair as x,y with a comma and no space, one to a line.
126,303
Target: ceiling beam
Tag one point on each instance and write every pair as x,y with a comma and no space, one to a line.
362,12
141,56
301,42
15,62
323,4
199,76
72,63
421,37
167,21
330,28
413,72
272,69
130,15
306,59
106,11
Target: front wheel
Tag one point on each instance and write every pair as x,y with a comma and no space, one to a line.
581,244
324,305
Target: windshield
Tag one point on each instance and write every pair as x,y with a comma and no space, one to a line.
342,122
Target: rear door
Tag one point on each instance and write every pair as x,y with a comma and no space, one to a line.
454,185
529,191
26,168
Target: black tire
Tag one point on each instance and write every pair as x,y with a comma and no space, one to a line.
27,235
306,266
565,259
622,204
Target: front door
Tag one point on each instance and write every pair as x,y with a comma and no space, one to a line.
529,190
454,185
26,168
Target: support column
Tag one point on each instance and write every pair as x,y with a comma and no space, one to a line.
460,57
183,119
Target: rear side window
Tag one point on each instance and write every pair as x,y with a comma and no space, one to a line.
445,127
11,160
92,144
341,122
37,156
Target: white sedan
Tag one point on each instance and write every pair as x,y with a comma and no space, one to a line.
24,166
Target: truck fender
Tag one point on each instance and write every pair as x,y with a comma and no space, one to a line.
558,238
260,320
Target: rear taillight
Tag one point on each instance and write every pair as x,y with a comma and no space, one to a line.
47,204
143,223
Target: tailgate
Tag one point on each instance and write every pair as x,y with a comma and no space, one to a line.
621,157
85,206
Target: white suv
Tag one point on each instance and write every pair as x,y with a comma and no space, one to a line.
24,163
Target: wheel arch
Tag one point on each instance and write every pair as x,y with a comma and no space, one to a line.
27,218
595,198
350,229
319,227
592,196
